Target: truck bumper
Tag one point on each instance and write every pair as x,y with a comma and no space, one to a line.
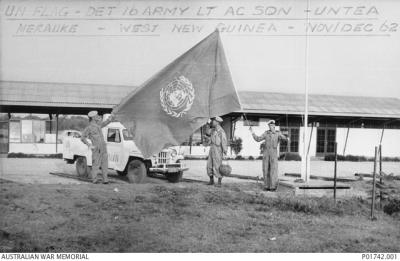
167,170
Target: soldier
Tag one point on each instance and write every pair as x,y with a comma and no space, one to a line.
272,138
98,146
218,148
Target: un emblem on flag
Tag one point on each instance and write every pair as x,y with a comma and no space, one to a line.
177,97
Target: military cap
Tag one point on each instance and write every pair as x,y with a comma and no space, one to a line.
271,122
218,119
92,114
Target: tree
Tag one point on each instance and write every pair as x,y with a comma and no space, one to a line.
236,145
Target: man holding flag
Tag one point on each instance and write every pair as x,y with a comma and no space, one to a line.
218,149
181,98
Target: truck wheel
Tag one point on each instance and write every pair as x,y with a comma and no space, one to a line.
81,167
136,171
174,177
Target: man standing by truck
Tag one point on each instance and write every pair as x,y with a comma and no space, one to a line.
99,149
272,138
218,148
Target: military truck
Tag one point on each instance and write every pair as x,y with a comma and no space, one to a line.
123,156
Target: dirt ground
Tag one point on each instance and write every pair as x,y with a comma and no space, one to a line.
75,216
28,170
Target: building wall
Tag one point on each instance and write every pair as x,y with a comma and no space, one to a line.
250,146
360,141
363,142
35,148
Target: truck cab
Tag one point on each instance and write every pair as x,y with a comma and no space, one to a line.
123,156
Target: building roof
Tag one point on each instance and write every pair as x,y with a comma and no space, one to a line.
40,94
333,105
61,94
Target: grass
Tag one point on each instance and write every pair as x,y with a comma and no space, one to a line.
185,217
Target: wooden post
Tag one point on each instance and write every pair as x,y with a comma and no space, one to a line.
335,174
380,175
383,131
190,144
9,131
56,133
345,143
373,184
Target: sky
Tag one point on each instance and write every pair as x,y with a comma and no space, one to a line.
351,47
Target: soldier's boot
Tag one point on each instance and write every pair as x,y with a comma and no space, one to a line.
219,182
211,182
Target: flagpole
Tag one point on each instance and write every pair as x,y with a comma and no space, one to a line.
305,160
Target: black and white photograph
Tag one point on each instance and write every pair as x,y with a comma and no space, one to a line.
216,126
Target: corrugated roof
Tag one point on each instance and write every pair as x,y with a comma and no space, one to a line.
61,94
287,103
107,96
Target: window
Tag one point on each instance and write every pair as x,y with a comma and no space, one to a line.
320,140
38,131
294,140
331,139
127,135
15,131
26,131
113,135
283,146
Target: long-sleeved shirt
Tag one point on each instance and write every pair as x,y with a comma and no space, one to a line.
94,133
271,138
218,139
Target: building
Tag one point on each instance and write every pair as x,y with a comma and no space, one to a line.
31,113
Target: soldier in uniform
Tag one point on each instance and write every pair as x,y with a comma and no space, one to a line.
218,148
272,139
98,146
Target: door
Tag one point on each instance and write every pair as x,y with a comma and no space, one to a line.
4,137
114,147
326,139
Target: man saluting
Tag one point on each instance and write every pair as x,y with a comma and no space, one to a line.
272,139
99,149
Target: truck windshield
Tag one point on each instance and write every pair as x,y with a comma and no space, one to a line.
127,135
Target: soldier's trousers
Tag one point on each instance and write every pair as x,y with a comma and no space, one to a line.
214,161
270,170
99,159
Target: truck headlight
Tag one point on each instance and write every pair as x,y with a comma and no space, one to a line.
173,153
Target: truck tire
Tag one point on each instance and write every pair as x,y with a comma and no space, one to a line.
136,171
82,168
174,177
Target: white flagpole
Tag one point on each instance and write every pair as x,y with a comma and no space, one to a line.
305,160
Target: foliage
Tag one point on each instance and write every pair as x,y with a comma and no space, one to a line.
236,145
358,158
45,156
72,123
288,156
392,207
239,157
251,158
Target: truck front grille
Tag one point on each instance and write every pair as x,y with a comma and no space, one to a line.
163,157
